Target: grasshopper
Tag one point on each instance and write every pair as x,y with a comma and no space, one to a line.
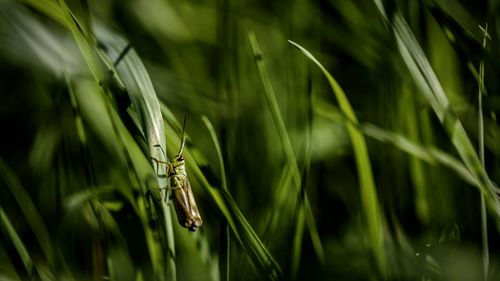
182,195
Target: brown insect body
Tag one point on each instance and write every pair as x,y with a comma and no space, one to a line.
182,195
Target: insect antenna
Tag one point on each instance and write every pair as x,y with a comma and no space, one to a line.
161,148
183,139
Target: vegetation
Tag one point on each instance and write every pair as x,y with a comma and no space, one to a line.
326,140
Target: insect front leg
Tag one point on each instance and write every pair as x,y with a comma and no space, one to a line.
158,162
166,175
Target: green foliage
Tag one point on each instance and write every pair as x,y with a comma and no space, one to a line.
364,175
369,200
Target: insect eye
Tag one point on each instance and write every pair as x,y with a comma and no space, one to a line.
180,158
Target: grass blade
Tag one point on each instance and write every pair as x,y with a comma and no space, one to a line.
371,207
50,8
7,269
140,90
265,264
29,211
148,110
225,249
104,121
299,229
82,34
484,218
29,41
430,155
10,232
429,86
292,166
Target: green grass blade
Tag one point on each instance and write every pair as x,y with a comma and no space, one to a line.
140,90
79,24
433,92
225,249
84,42
117,252
7,269
419,177
371,206
106,124
484,218
300,223
292,166
28,41
10,232
274,108
429,154
265,264
213,134
29,211
297,242
139,87
50,8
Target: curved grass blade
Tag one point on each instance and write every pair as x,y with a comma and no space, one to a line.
213,134
78,22
11,233
7,269
430,87
49,8
225,239
145,102
29,211
82,36
139,87
111,130
292,166
371,207
266,266
430,155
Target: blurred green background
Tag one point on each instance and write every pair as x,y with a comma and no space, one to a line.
326,140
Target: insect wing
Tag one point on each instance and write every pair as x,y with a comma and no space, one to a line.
185,206
195,214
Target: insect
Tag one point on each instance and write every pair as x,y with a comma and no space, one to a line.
182,195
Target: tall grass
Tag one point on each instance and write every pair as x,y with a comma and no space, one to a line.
364,175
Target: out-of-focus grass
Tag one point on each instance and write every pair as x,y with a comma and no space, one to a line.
372,182
372,214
